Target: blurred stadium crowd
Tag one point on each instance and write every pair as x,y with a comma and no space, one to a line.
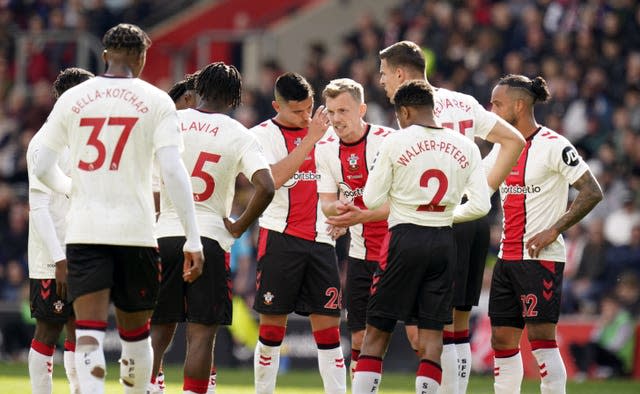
588,51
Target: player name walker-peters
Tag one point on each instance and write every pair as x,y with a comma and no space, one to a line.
432,145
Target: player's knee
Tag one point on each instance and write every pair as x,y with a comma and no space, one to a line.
382,323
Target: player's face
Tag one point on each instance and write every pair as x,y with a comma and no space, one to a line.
402,116
294,113
390,78
502,104
345,114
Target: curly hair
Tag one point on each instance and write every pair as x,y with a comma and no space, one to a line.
126,37
220,83
69,78
181,87
414,93
536,88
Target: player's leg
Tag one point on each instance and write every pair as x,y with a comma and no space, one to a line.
429,375
135,290
90,278
553,373
505,311
266,357
70,354
326,332
368,373
197,363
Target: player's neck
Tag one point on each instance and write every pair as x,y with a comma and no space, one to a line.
119,70
528,127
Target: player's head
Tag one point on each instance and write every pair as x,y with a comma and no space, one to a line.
293,100
413,103
344,100
515,95
400,62
127,44
220,86
69,78
183,93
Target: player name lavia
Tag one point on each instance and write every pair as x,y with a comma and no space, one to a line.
117,93
202,127
433,145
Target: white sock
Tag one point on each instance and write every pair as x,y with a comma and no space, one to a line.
425,385
211,388
507,373
90,358
464,366
368,375
552,370
449,363
70,369
266,360
332,370
136,363
41,367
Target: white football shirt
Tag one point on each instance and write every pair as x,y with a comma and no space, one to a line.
423,172
41,263
462,113
112,126
345,168
216,149
535,194
295,209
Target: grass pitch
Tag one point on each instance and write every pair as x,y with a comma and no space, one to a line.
14,378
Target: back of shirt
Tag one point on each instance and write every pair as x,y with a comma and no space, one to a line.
216,149
462,113
423,172
112,126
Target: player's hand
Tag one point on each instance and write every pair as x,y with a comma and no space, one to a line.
192,267
348,215
541,241
233,228
319,124
336,232
61,279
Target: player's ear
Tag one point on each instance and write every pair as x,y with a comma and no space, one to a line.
275,105
362,110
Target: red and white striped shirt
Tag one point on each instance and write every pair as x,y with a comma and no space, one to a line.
345,167
295,209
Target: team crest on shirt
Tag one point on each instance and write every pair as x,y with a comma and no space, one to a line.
353,162
57,306
268,298
297,141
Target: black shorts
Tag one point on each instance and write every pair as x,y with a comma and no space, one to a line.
524,291
357,291
417,277
472,242
45,303
131,272
205,301
296,275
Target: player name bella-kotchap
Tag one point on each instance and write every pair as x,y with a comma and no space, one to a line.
118,93
431,145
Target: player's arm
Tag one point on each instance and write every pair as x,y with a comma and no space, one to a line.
284,169
477,190
263,193
350,214
47,170
511,145
178,186
376,190
589,195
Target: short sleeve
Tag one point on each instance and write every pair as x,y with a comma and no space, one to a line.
484,120
566,160
376,190
263,136
327,183
32,157
252,158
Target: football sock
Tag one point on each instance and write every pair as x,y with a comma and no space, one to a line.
266,358
449,364
211,388
368,375
89,358
553,374
507,371
331,360
70,366
41,367
136,360
355,353
463,349
428,377
194,386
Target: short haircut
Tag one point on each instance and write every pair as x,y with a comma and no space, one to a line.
535,88
413,93
181,87
292,87
404,54
69,78
344,85
220,83
126,37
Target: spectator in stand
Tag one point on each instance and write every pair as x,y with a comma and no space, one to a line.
618,224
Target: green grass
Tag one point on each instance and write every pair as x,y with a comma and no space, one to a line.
14,379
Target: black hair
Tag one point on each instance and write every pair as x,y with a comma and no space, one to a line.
404,54
413,93
126,37
220,83
69,78
292,87
536,88
181,87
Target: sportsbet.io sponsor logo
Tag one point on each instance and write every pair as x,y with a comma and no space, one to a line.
517,189
302,176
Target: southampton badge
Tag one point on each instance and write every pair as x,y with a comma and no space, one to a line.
353,162
57,306
268,298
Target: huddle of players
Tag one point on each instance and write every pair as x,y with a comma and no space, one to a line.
310,185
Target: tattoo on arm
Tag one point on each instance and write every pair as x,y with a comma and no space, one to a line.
589,195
